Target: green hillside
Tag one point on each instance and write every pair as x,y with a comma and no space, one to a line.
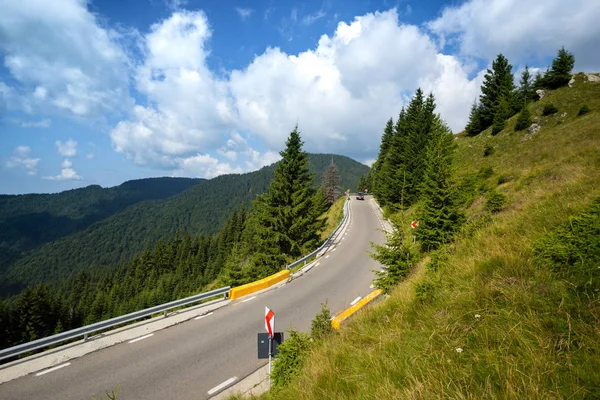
27,221
200,209
511,308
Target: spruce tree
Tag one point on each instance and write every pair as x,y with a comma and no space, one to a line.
502,112
498,83
377,175
560,73
321,203
473,127
331,183
283,223
439,214
524,119
526,92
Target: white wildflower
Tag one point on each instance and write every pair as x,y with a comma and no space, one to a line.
477,316
459,349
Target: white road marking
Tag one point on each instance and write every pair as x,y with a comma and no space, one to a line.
222,385
141,338
53,369
317,264
334,249
251,298
205,315
327,256
355,300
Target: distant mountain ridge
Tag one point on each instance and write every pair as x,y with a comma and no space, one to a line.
197,206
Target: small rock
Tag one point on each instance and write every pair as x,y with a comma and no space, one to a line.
563,114
571,82
536,120
592,78
540,93
534,128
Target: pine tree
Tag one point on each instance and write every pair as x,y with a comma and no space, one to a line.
283,223
377,174
397,255
526,92
331,183
498,83
502,112
321,203
538,84
473,127
560,73
439,214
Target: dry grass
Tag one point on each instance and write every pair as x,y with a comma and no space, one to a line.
498,326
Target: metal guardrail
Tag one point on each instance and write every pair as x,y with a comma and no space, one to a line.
326,242
109,323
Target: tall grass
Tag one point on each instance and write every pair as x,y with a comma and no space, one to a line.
497,324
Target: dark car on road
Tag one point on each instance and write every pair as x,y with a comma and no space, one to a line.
360,196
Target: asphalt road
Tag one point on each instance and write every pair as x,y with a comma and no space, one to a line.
187,360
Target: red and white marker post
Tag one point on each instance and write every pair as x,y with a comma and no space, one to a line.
414,225
270,327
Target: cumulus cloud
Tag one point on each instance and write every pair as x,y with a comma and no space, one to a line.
21,158
67,149
244,13
62,59
66,174
522,29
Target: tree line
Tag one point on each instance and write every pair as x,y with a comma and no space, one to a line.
281,225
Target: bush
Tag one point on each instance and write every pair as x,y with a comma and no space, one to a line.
488,150
583,110
504,178
321,326
495,201
549,109
485,172
425,289
290,359
398,255
573,250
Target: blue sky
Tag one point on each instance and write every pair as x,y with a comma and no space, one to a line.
100,92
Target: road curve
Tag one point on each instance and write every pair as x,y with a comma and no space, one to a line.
189,360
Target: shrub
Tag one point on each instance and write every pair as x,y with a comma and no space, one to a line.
485,172
583,110
398,255
290,359
549,109
321,325
495,201
573,250
504,178
425,289
488,150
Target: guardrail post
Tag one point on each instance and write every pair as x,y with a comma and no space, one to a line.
165,314
85,337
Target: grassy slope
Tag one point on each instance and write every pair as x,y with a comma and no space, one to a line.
529,341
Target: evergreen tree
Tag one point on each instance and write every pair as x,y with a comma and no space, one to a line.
331,183
473,127
538,84
439,213
560,73
498,84
502,112
397,255
321,202
526,91
377,174
283,223
524,119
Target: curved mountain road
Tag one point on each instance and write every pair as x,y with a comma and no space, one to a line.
188,360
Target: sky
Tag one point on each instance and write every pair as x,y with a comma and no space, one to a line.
104,91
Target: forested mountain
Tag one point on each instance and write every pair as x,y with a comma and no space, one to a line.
202,208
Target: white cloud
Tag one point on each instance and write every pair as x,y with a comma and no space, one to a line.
66,174
62,59
89,156
312,18
523,29
21,158
45,123
67,149
244,13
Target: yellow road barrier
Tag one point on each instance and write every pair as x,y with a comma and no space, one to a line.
361,303
255,286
